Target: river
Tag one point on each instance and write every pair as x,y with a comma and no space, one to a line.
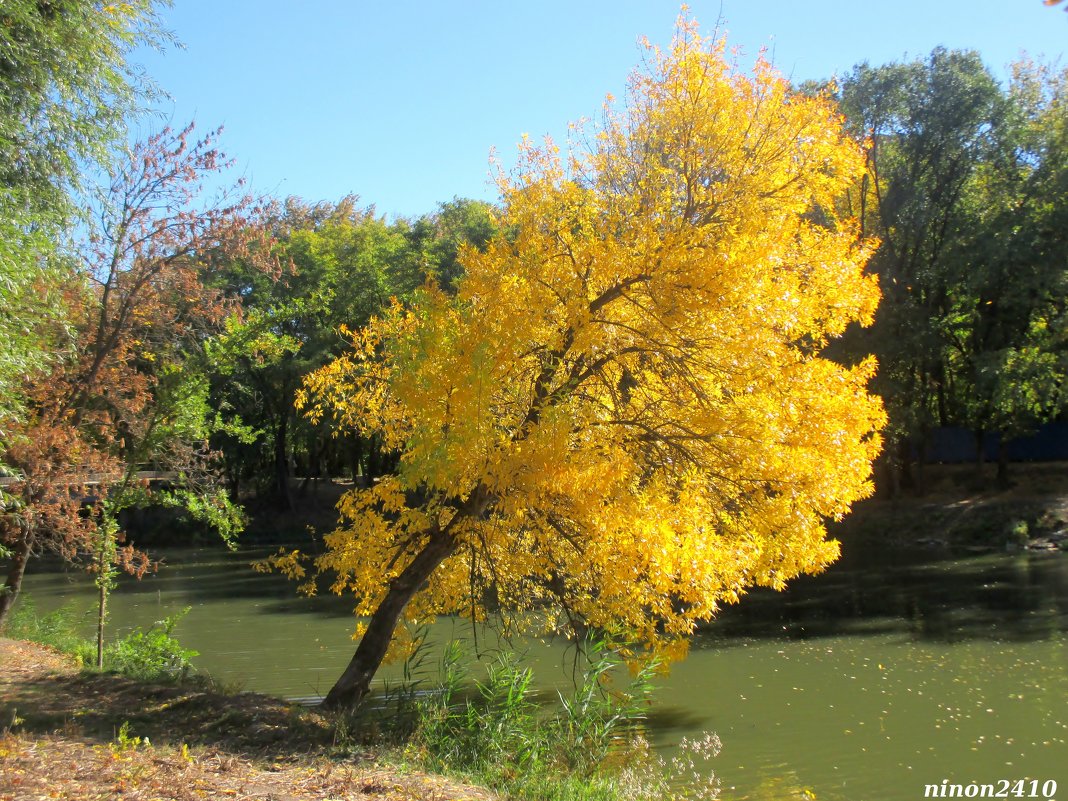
891,671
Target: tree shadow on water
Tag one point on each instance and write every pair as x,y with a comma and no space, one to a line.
996,597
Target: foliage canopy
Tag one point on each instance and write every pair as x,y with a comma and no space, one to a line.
965,191
131,392
623,414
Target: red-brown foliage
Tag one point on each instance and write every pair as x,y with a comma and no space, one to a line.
139,300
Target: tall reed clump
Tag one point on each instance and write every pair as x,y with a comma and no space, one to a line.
497,731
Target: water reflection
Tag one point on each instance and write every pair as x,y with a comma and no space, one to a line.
938,597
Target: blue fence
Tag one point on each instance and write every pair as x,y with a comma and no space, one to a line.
954,445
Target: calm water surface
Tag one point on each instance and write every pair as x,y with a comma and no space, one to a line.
890,671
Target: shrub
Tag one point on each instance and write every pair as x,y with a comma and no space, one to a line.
147,654
151,654
588,747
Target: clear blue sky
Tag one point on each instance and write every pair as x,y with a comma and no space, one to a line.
402,102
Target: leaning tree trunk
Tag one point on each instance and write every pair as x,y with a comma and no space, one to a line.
355,682
15,571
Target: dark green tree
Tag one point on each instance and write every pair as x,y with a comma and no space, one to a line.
346,264
1006,324
931,126
438,237
966,191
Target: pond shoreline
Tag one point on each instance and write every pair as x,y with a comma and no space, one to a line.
95,736
955,513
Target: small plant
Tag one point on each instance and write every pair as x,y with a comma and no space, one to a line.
14,722
691,768
151,654
497,732
596,717
124,743
1019,533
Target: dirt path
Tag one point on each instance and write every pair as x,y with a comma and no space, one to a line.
61,737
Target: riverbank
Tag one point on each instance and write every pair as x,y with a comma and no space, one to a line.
949,509
73,735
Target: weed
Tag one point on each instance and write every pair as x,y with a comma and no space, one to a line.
124,743
57,629
151,654
692,767
1018,533
14,722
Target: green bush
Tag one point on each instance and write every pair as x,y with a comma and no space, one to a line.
58,629
151,654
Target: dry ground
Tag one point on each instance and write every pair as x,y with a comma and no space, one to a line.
59,739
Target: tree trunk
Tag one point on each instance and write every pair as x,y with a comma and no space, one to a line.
1003,463
281,465
893,469
233,485
372,462
980,480
101,621
943,412
15,571
355,682
105,578
354,456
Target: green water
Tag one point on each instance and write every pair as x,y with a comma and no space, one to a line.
888,672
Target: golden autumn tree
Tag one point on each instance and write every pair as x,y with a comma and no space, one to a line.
623,417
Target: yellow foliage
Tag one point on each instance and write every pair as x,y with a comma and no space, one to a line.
631,375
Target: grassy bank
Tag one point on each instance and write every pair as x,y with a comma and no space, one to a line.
146,727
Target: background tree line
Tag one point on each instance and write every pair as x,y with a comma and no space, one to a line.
967,190
344,264
148,325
